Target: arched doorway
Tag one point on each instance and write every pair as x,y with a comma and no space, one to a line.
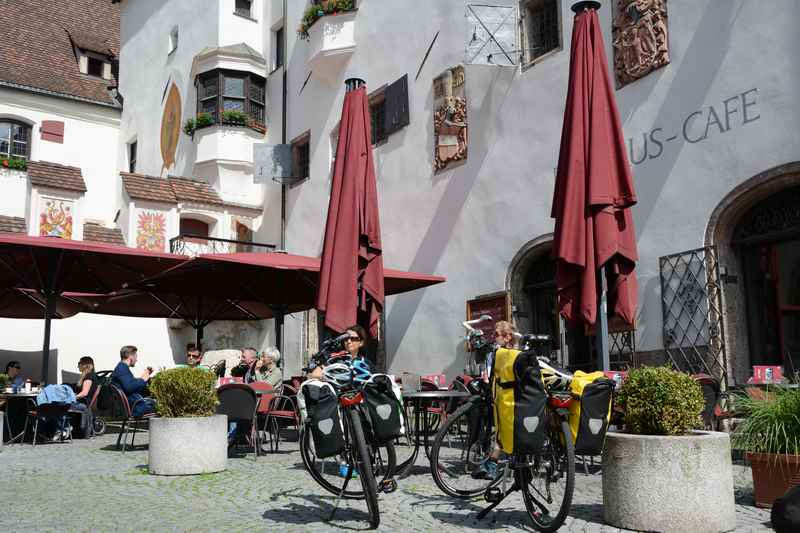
756,230
531,282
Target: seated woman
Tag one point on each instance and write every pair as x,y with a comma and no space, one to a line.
267,367
86,387
353,345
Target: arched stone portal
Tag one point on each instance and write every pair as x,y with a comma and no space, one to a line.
756,229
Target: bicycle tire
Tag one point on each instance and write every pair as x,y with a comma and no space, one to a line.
363,461
562,453
444,474
317,473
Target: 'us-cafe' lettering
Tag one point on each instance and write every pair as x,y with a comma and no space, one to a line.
734,111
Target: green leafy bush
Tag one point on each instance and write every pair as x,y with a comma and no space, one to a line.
319,10
14,163
771,422
189,127
3,381
660,401
200,121
184,392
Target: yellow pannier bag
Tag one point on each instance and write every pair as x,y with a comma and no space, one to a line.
519,401
590,411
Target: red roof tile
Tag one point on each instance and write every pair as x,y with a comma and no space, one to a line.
194,190
97,233
143,187
55,176
36,50
12,225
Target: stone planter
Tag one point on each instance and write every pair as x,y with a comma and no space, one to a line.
773,475
680,484
183,446
2,429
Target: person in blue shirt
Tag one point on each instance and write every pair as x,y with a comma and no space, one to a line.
123,378
15,380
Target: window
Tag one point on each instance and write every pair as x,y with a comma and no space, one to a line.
377,116
94,67
301,156
541,28
279,42
15,139
132,147
243,8
173,40
222,90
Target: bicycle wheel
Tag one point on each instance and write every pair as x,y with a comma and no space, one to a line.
461,445
548,481
325,471
363,460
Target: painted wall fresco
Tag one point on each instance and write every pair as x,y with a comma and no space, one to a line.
151,231
170,127
449,118
55,218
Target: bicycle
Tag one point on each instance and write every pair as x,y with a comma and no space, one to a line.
360,454
546,478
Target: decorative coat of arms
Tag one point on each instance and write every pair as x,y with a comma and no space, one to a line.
640,39
55,219
151,231
449,118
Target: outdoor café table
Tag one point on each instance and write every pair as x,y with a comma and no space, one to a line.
16,409
420,401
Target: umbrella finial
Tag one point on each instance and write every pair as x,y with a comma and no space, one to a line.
577,7
352,84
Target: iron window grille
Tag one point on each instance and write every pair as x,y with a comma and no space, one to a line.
541,28
193,245
244,8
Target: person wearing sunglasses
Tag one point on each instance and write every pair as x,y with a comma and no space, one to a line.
15,379
193,355
354,345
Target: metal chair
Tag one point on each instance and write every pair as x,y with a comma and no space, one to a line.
240,403
281,408
128,420
59,411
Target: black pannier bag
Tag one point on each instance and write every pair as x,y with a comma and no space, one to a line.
324,421
530,400
589,417
383,408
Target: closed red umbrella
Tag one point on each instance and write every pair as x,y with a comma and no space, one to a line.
351,276
594,186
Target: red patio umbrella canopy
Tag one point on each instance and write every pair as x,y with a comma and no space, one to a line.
594,187
351,277
24,303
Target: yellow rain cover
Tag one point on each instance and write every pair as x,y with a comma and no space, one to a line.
503,374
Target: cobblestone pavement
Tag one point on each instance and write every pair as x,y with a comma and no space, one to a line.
89,486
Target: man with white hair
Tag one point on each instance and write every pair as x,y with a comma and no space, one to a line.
267,368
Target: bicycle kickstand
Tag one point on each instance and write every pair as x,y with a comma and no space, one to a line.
341,493
496,496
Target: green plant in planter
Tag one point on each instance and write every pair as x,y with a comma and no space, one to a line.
771,422
184,392
319,10
200,121
3,381
14,163
234,117
189,127
660,401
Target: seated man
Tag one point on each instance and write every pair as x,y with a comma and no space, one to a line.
267,369
123,378
15,380
246,369
193,356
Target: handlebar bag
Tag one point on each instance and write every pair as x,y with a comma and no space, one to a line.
319,409
383,408
590,414
519,401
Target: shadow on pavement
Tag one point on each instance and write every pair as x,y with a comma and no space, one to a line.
317,513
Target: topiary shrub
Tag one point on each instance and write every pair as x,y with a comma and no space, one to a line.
184,392
3,381
660,401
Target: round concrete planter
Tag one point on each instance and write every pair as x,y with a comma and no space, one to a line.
183,446
656,483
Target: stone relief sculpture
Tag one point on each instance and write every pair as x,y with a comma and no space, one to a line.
640,40
449,118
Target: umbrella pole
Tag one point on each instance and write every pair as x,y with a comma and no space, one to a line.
199,336
601,335
49,310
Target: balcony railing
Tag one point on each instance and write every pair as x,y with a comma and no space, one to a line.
193,245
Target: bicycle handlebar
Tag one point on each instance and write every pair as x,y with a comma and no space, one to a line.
469,323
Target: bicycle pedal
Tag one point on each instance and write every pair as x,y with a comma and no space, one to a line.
388,486
493,495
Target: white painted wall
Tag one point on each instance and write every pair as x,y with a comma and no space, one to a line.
469,222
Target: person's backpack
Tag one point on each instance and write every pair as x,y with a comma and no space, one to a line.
383,407
519,401
590,412
319,410
785,514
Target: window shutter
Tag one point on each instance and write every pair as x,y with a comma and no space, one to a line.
53,131
396,105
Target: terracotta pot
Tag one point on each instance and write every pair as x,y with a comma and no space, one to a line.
773,475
